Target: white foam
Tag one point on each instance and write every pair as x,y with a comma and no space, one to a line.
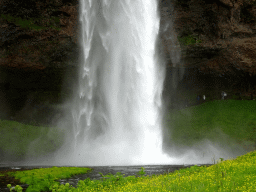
123,81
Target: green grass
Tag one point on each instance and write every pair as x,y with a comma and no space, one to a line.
18,140
42,179
235,118
231,175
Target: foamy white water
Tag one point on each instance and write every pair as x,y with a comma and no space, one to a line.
117,111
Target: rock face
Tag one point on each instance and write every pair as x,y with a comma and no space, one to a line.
207,44
217,43
226,31
38,49
38,37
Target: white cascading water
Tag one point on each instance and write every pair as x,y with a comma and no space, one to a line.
117,113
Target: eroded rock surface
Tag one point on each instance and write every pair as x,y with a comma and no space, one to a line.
217,43
207,44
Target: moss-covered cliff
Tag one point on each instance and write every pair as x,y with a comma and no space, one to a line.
208,45
38,34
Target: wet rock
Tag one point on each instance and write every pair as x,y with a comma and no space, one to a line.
211,38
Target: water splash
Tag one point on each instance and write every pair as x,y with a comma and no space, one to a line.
117,110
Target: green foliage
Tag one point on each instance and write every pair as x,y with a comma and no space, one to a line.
142,171
56,20
16,188
23,23
109,182
189,40
229,175
45,178
31,23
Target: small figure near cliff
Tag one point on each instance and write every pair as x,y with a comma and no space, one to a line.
223,95
200,99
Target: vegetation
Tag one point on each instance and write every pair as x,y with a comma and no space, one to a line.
42,179
189,40
31,23
230,175
32,140
235,118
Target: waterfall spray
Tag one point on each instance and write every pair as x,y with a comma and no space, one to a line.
117,109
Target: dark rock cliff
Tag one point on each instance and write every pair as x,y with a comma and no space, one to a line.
209,46
38,53
216,40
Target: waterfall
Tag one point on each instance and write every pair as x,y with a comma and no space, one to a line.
114,116
117,107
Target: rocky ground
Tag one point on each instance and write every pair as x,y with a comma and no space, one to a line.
5,180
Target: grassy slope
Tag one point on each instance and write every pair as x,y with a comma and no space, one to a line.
230,175
235,118
16,138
